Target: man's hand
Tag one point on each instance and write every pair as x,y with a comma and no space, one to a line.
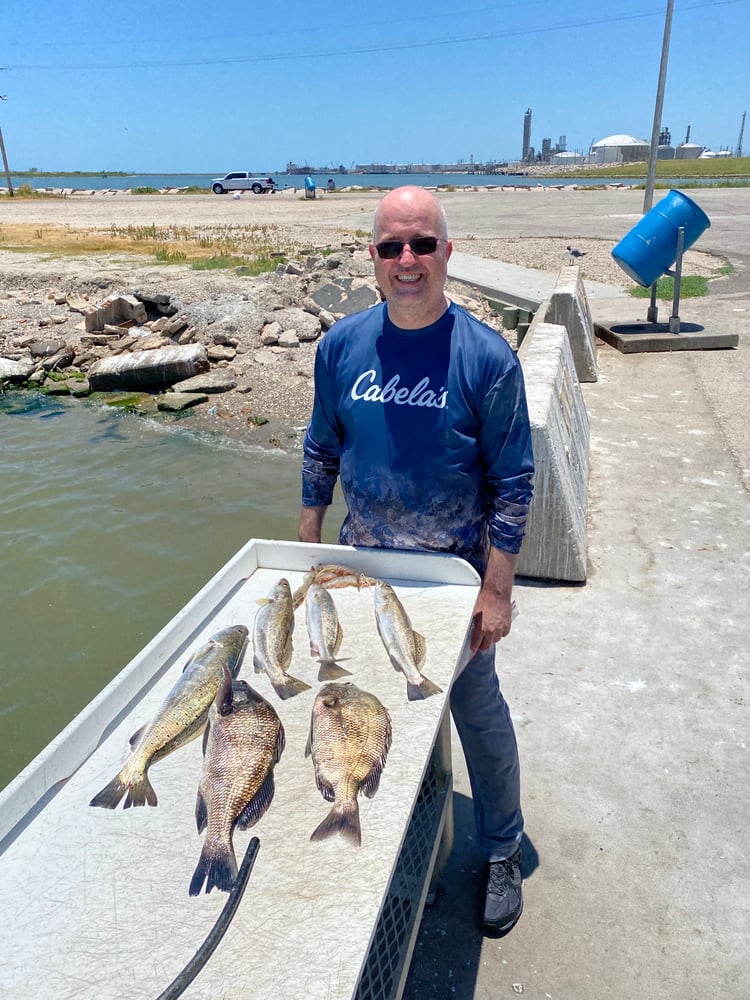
493,613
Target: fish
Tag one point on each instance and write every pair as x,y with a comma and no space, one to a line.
180,718
350,736
325,632
405,647
243,742
330,576
272,641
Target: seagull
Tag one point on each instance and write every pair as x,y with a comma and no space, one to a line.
574,254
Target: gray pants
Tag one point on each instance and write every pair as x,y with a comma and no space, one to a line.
489,743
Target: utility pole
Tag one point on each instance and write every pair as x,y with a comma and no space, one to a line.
649,195
652,312
4,97
5,164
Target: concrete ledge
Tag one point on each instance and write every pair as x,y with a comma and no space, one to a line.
650,338
554,547
569,307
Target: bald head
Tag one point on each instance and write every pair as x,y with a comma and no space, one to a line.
412,283
409,201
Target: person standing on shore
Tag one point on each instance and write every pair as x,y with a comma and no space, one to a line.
421,410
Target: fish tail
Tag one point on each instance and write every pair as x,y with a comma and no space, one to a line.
289,687
424,689
330,671
343,819
218,869
138,792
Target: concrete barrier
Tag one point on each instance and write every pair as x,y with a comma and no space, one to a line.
569,307
554,547
118,309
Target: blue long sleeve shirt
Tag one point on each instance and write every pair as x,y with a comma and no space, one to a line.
428,431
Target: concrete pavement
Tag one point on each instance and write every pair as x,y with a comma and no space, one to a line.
629,696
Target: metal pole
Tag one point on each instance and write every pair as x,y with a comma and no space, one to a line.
5,164
648,199
674,319
649,196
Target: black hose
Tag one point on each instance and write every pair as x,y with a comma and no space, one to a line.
206,950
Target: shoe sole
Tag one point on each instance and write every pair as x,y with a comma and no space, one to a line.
499,931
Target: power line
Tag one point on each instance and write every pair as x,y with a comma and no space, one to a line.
368,49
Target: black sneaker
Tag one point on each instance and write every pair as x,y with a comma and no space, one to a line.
502,901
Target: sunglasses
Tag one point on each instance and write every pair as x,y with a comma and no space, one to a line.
420,245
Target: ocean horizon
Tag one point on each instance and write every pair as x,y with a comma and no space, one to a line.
120,182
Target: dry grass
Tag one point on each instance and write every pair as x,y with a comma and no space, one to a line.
185,243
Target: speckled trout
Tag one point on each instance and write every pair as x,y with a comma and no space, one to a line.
272,640
325,632
350,736
180,718
405,647
244,740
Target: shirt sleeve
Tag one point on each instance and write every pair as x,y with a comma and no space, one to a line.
323,442
509,460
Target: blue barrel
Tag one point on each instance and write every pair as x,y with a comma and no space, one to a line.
650,248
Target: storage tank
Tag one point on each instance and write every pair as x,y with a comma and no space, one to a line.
619,149
688,151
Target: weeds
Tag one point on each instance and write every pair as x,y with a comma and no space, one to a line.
167,256
691,287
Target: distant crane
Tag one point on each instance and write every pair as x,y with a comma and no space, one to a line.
738,151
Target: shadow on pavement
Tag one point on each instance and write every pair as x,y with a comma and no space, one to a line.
449,944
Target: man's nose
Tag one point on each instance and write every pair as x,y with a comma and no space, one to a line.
407,246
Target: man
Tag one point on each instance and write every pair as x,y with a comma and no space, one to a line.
420,409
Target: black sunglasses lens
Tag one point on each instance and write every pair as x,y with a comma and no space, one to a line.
423,245
390,249
420,245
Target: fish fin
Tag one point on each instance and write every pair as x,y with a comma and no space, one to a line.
224,694
325,788
136,736
330,670
258,804
109,797
140,793
289,687
420,648
258,665
343,819
218,871
201,812
372,782
280,744
424,689
137,792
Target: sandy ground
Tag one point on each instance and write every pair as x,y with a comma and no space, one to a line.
526,227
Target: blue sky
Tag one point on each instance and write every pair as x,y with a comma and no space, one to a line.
193,87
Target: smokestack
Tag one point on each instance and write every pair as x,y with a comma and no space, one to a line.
526,135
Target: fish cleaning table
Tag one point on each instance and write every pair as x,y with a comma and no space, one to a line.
95,902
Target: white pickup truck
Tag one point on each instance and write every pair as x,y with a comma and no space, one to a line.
241,180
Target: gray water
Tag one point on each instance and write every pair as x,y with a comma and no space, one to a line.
109,524
160,181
